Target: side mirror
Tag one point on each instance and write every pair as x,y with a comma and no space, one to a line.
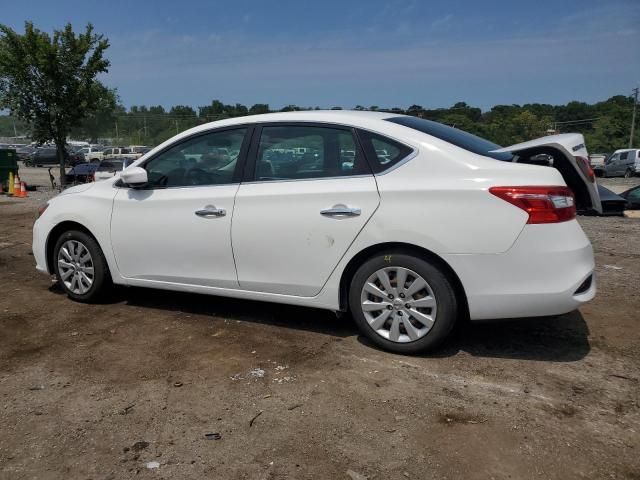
134,177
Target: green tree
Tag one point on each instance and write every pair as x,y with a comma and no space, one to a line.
50,81
259,108
182,110
101,119
415,110
216,108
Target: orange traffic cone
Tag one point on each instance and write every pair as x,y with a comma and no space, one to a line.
23,190
16,185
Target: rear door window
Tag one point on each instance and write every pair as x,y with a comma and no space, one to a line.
295,152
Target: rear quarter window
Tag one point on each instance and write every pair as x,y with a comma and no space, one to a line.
382,152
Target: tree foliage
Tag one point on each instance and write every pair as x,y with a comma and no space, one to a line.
605,124
49,81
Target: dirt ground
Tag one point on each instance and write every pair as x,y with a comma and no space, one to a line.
103,391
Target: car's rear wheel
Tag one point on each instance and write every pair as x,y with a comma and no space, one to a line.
628,173
80,266
402,303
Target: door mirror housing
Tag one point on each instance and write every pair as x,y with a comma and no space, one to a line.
134,177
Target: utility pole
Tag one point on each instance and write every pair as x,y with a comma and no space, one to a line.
117,136
15,132
145,129
633,117
177,131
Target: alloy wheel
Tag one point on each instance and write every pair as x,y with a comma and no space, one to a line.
398,304
75,267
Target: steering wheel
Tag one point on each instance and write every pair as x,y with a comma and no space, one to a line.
197,176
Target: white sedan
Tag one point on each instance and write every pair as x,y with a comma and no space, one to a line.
440,226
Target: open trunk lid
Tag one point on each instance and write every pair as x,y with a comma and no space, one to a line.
568,154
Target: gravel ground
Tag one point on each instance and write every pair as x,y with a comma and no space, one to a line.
147,382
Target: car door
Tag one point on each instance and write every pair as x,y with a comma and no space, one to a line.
177,229
622,164
610,166
305,202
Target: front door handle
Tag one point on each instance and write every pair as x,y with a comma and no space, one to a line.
210,211
341,211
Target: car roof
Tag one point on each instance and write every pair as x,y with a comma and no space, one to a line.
358,118
328,116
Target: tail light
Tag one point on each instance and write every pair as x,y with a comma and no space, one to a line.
543,204
585,166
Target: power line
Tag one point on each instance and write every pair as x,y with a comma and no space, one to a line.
586,120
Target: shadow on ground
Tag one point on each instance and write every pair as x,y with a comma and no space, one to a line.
556,339
287,316
550,339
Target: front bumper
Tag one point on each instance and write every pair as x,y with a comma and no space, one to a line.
39,247
538,276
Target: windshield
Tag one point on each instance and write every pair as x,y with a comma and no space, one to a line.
454,136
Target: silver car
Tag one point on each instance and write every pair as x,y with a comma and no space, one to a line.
623,163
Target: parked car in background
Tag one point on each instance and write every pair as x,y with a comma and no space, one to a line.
597,162
632,196
49,156
109,168
80,173
623,163
139,149
91,153
110,153
612,203
25,152
428,226
75,145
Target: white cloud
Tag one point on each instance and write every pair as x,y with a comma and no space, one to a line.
442,22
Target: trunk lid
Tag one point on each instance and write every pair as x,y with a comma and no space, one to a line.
567,153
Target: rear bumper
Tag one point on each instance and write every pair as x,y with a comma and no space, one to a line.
538,276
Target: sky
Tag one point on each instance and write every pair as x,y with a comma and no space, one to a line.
390,53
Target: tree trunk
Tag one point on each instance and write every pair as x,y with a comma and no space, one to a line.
61,161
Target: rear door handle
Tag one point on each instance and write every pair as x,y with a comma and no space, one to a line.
210,211
341,211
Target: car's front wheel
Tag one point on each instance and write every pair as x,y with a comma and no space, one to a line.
80,266
402,303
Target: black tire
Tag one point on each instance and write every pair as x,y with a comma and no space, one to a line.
101,277
628,174
443,291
